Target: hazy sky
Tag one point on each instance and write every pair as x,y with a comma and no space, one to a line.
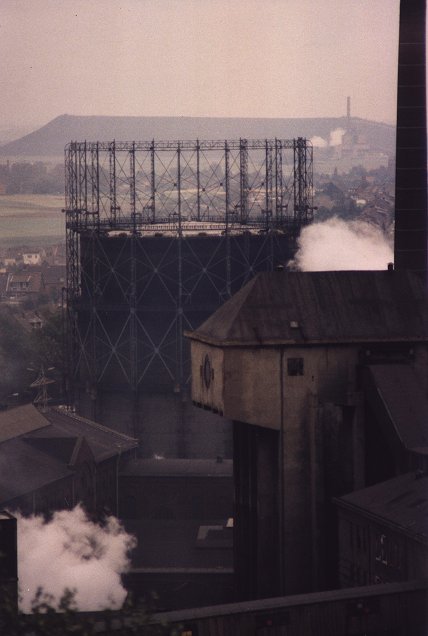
249,58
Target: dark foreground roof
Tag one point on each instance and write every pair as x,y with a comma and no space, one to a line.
36,448
400,503
321,307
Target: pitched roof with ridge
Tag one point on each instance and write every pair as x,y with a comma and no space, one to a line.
36,448
321,307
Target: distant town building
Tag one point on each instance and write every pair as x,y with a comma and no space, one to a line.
32,258
4,283
24,284
54,277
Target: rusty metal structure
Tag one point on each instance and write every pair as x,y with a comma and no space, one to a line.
159,234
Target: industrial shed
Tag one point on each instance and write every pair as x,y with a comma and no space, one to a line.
383,532
53,459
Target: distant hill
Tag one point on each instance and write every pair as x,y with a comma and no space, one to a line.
51,138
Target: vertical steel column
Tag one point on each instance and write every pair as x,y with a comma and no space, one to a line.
243,179
303,186
180,276
299,182
268,183
198,180
132,187
72,267
153,179
93,306
279,189
227,203
113,201
132,297
83,183
95,186
309,185
179,388
133,343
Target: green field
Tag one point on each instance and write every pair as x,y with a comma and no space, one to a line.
31,219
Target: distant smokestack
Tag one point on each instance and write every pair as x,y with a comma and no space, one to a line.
348,109
410,250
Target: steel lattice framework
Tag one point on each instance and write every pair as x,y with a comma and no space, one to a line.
158,235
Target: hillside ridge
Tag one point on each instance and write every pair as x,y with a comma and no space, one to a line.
51,138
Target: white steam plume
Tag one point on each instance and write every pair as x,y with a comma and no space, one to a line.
335,244
334,140
318,142
336,137
70,551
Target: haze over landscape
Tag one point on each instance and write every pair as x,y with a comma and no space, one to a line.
194,58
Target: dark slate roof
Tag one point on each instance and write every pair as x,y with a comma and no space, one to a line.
19,421
401,392
24,469
401,503
36,447
178,468
321,307
104,442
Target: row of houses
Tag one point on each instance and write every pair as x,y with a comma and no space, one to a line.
16,257
31,283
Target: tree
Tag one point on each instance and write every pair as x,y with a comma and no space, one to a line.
46,620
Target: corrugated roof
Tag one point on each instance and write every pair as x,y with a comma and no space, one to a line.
399,502
310,307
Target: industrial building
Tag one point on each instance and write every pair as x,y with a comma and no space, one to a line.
160,234
325,375
290,359
383,532
52,460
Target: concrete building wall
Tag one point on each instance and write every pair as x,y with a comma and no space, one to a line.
312,397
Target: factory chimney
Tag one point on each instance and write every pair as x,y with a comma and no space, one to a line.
410,248
348,110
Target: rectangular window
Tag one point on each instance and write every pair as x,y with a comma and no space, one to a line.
295,366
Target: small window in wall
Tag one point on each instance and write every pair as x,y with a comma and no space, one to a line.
295,366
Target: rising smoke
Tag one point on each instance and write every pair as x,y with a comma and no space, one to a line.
70,551
335,139
335,244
